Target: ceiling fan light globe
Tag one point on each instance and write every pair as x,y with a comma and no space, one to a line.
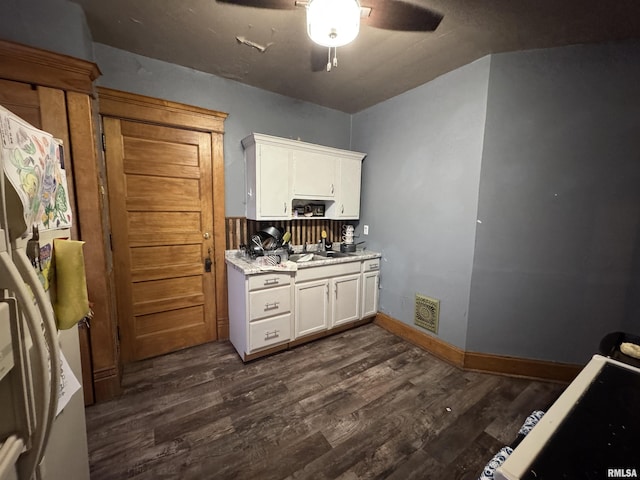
333,23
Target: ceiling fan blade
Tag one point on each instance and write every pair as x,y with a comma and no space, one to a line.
400,15
272,4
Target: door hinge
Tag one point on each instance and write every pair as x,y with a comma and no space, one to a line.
104,143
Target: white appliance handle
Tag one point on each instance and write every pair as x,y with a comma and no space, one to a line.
9,453
50,333
40,367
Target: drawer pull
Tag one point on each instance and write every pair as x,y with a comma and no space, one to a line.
271,306
271,281
270,335
373,266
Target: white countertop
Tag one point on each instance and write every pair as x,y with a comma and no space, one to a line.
235,259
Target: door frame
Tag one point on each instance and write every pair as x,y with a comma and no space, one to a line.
130,106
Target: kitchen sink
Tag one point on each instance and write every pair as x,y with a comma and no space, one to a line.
332,254
303,257
311,256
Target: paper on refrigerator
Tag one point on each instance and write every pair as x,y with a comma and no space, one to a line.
68,384
33,162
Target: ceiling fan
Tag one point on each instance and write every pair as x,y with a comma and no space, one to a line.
334,23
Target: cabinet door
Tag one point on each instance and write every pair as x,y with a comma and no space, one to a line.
273,178
314,175
312,307
349,189
370,293
346,299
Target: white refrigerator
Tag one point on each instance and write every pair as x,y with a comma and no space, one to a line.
42,421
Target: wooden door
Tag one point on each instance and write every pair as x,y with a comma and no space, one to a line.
161,207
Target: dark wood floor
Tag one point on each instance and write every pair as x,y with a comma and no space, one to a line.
360,404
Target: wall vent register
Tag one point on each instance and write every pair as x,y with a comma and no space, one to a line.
427,313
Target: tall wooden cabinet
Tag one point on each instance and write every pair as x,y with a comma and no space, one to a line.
55,92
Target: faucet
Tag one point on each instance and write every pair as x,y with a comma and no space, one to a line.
304,248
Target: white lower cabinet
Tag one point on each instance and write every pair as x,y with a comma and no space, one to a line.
312,307
346,299
370,286
260,310
326,297
269,310
370,293
326,303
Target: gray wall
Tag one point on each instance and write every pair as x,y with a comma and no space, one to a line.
420,191
250,109
557,254
541,147
56,25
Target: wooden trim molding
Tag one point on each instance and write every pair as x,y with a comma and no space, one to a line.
106,383
433,345
219,238
88,185
521,367
31,65
131,106
125,105
482,362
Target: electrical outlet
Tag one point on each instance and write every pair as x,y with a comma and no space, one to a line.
366,230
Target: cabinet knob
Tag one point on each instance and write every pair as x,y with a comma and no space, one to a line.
206,235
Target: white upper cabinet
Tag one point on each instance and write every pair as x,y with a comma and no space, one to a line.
267,174
348,199
283,173
314,175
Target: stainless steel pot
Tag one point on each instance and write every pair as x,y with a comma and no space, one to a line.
349,247
273,232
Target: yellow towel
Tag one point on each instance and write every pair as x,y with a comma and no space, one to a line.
72,302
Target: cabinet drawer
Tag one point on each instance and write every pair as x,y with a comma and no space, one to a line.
327,271
269,302
372,264
269,332
268,280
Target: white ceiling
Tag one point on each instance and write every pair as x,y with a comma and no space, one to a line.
378,65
